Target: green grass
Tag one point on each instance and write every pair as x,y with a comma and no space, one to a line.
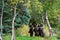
8,37
27,38
20,32
53,38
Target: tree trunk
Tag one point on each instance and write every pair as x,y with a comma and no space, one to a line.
49,26
13,34
43,20
2,18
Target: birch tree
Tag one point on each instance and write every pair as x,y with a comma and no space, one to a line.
43,20
2,19
15,14
49,26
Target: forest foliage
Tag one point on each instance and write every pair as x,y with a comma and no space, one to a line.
28,10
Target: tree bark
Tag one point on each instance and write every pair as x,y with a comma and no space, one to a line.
42,20
2,18
13,34
49,26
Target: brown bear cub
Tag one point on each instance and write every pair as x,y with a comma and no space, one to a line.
40,30
31,29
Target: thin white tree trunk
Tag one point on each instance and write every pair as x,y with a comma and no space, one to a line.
49,26
15,14
2,18
13,34
43,20
1,27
